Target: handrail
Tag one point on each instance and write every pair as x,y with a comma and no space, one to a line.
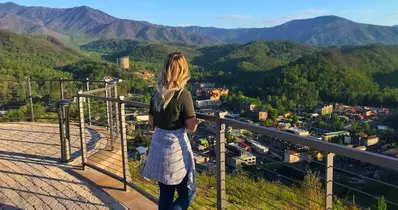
55,80
364,156
99,89
329,148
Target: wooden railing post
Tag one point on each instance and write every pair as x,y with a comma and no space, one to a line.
83,146
329,182
220,162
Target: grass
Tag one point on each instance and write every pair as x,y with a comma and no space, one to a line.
245,192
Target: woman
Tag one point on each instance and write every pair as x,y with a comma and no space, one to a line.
170,159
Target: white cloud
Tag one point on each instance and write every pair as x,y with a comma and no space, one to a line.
344,11
234,17
394,12
300,14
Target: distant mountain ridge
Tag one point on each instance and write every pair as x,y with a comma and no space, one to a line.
85,21
90,22
323,31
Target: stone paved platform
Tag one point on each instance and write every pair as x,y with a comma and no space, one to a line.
31,176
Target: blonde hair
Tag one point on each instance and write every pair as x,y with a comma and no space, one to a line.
171,79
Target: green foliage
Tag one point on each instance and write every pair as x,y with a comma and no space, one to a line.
381,204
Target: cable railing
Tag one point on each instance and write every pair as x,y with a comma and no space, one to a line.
278,180
33,99
227,178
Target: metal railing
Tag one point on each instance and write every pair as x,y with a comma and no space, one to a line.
33,99
273,182
331,190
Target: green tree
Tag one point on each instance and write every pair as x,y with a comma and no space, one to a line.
229,138
381,204
147,98
273,114
295,119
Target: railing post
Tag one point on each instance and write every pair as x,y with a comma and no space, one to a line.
88,101
123,140
329,181
107,102
117,114
61,88
110,104
32,114
220,161
83,146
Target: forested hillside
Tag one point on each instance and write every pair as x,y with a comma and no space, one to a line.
143,55
24,55
305,74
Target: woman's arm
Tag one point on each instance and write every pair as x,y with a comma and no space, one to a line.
191,124
150,121
188,111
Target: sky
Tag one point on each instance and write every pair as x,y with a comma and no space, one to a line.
234,13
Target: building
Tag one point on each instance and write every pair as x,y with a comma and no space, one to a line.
235,149
247,106
298,131
144,75
325,110
124,62
216,94
200,159
291,156
257,147
212,93
144,118
243,145
369,141
331,135
262,115
201,104
239,161
363,148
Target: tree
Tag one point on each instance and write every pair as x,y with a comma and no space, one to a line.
340,141
147,97
229,138
295,119
273,114
381,204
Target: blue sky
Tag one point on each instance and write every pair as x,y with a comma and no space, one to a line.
234,13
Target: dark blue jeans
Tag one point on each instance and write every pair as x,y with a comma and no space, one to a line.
166,198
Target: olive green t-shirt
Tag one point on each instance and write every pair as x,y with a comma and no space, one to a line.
179,109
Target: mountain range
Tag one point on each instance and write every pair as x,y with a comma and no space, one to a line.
95,24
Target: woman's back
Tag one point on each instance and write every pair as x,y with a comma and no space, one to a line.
173,117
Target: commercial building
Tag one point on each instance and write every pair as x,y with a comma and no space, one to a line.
325,110
124,62
257,147
370,140
248,106
294,157
331,135
201,104
239,161
212,93
199,159
298,131
262,115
